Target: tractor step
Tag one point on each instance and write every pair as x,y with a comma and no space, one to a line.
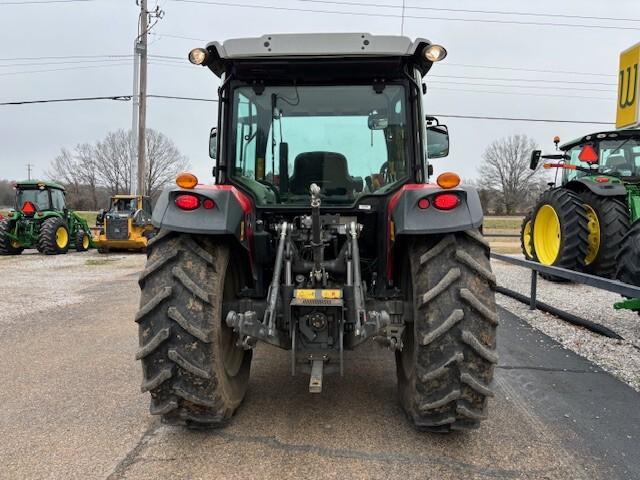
315,381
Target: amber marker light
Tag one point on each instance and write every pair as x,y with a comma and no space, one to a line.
186,180
448,180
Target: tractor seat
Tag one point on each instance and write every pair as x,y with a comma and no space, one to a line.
619,164
328,169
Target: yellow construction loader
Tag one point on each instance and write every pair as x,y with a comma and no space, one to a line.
126,225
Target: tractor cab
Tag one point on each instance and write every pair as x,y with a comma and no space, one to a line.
126,225
615,154
39,196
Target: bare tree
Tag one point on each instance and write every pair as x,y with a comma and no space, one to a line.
113,159
505,171
164,162
89,170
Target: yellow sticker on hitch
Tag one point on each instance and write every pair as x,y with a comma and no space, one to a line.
333,293
305,294
312,294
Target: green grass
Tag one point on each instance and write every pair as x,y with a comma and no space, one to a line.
90,217
503,223
99,261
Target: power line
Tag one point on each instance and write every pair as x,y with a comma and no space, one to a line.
124,98
175,97
68,69
546,87
70,62
461,10
63,57
544,80
180,37
40,2
392,15
512,119
522,94
195,99
495,67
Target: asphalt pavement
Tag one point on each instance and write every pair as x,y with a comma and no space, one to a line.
71,405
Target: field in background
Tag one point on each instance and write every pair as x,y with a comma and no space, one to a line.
503,225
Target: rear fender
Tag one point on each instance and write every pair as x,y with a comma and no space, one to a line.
232,215
405,218
409,219
607,189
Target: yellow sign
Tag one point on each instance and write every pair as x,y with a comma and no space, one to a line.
628,88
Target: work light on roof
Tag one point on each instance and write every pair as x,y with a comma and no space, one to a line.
198,56
434,53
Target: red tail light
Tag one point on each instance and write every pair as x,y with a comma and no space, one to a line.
423,203
187,202
446,201
208,203
28,208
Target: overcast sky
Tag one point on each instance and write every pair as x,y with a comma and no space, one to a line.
459,85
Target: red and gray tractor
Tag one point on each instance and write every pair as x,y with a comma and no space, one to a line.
322,230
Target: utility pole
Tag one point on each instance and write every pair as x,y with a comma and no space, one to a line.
133,167
141,95
142,108
29,166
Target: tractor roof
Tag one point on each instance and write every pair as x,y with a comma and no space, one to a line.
38,184
608,134
311,46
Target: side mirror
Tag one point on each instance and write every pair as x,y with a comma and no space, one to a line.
535,158
437,141
213,143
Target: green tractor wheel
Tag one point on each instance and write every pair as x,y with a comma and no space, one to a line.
54,236
8,246
560,231
526,242
628,258
608,222
83,242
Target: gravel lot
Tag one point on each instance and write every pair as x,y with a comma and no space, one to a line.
72,407
619,357
61,279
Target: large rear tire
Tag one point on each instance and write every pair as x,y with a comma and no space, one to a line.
446,365
526,244
196,374
560,231
628,258
608,222
8,246
53,238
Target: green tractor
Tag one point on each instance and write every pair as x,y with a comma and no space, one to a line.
583,224
41,220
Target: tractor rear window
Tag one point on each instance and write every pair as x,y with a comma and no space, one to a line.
350,140
40,198
619,158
